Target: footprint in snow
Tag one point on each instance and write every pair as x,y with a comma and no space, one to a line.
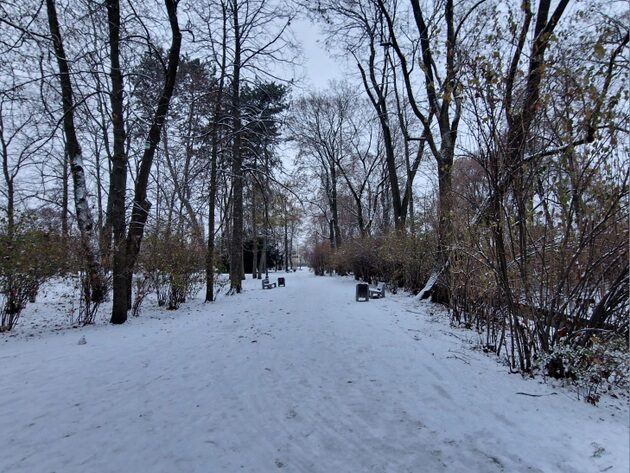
599,450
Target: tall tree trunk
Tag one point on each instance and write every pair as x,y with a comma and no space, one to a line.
9,281
334,206
385,207
331,234
360,218
291,247
286,238
390,159
412,215
262,268
99,193
118,178
265,193
141,205
254,235
443,284
445,210
8,180
212,198
104,215
236,252
378,98
211,210
89,238
64,200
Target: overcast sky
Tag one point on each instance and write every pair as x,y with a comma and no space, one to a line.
319,66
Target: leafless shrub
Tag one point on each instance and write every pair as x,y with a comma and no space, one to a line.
173,267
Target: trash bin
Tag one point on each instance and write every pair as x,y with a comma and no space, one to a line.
363,292
281,282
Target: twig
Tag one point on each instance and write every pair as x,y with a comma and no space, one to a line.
459,358
537,395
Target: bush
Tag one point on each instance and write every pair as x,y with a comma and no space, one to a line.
174,266
402,261
28,257
320,258
605,364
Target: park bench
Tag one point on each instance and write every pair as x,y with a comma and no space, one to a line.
378,292
268,285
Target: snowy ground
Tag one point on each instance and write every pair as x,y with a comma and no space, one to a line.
295,379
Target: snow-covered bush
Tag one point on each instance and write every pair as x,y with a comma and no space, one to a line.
604,365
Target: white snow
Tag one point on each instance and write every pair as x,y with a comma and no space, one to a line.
295,379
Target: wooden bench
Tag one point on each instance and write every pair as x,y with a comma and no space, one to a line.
378,292
268,285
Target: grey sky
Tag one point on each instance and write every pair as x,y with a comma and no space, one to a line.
319,67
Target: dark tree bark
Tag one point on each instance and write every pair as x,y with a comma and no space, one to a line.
265,194
141,204
254,233
211,210
9,182
377,93
64,199
118,177
236,250
286,237
334,207
212,197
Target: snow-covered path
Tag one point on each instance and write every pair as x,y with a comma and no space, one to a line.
295,379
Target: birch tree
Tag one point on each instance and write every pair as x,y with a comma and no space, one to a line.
85,221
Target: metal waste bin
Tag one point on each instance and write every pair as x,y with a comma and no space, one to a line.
363,292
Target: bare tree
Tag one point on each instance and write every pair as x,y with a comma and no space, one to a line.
85,221
141,204
259,30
